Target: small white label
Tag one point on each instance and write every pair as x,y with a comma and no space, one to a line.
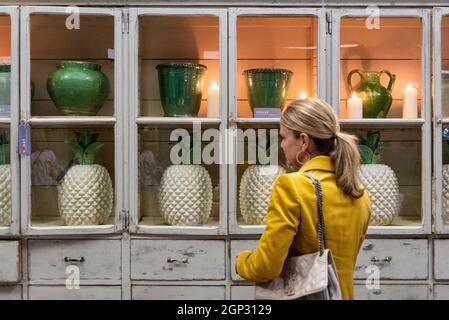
111,54
211,55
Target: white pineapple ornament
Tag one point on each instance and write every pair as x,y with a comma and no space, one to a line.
255,191
5,182
85,193
380,181
185,192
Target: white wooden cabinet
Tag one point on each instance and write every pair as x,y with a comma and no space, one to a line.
9,53
135,255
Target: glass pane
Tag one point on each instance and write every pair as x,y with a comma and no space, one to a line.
445,66
78,193
445,159
187,50
5,176
5,66
78,88
270,44
171,193
393,181
394,45
259,163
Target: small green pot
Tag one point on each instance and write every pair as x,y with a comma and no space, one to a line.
267,87
5,89
78,88
181,88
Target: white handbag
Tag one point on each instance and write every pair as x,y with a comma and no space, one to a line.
310,276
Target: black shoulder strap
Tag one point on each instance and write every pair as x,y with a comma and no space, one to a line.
319,200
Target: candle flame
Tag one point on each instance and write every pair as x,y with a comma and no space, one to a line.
409,86
303,95
354,95
214,84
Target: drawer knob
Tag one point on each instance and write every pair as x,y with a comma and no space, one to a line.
68,259
176,261
381,261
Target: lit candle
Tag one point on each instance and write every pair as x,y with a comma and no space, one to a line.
410,102
213,101
355,107
303,95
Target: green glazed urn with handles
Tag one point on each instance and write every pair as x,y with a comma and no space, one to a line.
376,98
267,87
181,88
78,88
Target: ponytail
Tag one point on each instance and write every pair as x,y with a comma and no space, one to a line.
346,158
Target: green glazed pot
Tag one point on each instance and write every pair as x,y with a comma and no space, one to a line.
180,88
78,88
267,87
5,89
376,98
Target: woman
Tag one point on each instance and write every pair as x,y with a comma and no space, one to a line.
311,139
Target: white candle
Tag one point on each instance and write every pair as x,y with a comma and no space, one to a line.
355,107
410,102
303,95
213,101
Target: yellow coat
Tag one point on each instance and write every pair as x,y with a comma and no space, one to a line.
292,218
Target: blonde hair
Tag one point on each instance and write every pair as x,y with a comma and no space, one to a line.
316,118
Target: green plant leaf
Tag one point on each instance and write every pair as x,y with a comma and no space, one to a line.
4,151
77,151
372,139
366,154
91,151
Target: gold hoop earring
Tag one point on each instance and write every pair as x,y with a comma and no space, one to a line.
301,163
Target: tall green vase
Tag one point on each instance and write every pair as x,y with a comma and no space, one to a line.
376,98
78,88
181,88
267,87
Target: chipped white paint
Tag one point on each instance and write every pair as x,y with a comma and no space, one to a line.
395,258
242,292
10,262
102,259
83,293
170,292
392,292
11,292
177,260
239,246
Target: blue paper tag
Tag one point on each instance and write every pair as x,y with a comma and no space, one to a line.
267,112
24,139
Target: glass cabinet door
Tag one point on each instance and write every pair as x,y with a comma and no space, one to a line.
275,57
178,100
381,91
9,111
72,100
441,112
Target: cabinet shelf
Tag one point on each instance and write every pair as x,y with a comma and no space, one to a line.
5,120
156,225
391,122
48,225
71,120
176,121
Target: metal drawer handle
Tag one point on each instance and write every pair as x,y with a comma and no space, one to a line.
381,261
183,260
80,259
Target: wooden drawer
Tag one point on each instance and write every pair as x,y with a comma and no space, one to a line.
10,292
441,259
392,292
177,260
239,246
10,262
242,293
178,292
101,259
441,292
83,293
395,258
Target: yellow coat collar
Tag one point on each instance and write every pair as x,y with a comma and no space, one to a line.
323,163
